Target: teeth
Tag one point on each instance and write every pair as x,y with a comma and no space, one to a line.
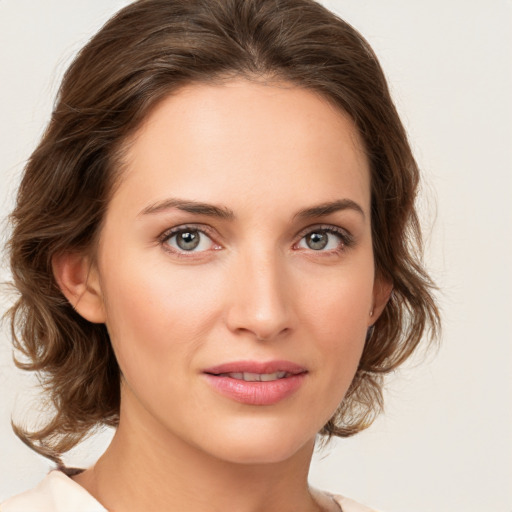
264,377
257,377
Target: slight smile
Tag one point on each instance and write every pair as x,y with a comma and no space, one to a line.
256,383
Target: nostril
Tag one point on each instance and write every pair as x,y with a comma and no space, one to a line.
273,334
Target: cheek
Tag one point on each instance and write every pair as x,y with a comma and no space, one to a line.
339,306
155,319
337,317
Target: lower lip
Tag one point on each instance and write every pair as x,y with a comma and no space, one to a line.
256,393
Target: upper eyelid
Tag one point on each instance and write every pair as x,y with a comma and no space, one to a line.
204,229
207,229
324,227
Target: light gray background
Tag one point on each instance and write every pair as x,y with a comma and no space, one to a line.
444,444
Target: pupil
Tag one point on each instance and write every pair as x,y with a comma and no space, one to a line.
188,240
317,241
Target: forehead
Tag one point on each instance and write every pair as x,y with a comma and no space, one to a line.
249,138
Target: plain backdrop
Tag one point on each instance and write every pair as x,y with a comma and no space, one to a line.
445,442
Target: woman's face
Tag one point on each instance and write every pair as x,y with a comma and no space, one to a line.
236,271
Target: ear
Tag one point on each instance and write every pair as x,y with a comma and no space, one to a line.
79,281
382,289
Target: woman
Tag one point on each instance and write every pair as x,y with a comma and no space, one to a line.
216,249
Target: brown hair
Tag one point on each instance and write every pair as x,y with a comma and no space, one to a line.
146,51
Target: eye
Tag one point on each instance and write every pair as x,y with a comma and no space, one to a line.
325,240
188,239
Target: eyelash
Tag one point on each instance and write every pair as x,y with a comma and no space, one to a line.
346,239
167,235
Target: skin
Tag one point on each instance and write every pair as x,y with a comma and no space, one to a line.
252,290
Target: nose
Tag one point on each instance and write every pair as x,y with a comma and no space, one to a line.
259,302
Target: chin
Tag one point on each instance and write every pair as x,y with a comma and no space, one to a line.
260,445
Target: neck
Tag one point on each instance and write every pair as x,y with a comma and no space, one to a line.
144,471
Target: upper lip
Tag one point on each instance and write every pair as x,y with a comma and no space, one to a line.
256,367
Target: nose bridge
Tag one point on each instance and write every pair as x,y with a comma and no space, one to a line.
260,302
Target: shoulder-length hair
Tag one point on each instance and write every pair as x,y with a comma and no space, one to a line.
144,53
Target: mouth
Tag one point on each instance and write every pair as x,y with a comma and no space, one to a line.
255,383
255,377
249,369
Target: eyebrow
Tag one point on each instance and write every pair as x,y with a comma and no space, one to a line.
210,210
189,206
324,209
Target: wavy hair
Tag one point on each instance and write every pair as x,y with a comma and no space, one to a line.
145,52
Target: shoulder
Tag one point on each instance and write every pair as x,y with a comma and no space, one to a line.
55,493
341,504
59,493
348,505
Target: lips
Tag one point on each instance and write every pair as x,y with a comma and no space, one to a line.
256,383
257,377
256,367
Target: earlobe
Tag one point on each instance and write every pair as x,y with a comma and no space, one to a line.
382,290
79,282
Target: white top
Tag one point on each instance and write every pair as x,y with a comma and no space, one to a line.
59,493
